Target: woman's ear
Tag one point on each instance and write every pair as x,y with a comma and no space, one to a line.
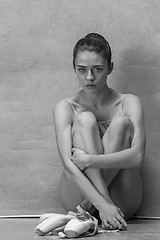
110,68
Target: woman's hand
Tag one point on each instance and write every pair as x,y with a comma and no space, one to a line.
79,158
112,217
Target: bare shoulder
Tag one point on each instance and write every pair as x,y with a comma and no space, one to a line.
63,112
133,105
132,100
61,105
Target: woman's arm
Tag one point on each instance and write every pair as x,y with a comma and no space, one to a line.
128,158
63,123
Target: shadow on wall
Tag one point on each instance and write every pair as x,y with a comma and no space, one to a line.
139,73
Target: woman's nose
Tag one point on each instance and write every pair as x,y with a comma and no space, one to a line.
90,75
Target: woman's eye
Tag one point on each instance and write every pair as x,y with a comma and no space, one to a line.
81,69
98,69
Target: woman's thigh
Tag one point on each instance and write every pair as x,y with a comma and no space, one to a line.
70,195
126,190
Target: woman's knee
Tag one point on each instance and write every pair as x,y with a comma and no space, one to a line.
85,133
86,120
120,126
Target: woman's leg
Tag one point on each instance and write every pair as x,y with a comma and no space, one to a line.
125,187
86,136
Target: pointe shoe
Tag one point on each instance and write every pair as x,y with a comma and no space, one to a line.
52,221
83,225
77,227
62,224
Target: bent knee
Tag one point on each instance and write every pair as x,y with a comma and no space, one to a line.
86,119
121,125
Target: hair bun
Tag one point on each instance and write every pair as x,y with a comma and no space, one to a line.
95,36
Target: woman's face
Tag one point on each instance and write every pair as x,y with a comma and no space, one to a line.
91,70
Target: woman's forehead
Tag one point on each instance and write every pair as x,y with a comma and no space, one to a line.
87,57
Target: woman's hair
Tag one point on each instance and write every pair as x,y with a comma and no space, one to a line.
93,42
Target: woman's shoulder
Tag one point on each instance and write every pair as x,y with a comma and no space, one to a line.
131,99
132,105
63,113
62,105
66,106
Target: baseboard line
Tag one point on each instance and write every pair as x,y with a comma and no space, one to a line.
19,216
38,215
146,217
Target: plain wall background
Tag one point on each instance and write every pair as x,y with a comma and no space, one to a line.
36,42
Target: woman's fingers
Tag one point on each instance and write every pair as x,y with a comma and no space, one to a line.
121,213
113,223
118,224
122,221
106,225
120,218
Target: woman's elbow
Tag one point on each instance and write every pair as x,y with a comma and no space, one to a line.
139,159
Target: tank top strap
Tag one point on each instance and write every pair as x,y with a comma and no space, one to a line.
72,106
122,104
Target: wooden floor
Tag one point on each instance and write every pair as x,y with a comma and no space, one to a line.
23,229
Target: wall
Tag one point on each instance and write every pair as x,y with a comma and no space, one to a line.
36,41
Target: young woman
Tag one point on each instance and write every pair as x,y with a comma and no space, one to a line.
101,139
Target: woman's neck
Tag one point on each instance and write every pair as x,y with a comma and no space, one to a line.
97,99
